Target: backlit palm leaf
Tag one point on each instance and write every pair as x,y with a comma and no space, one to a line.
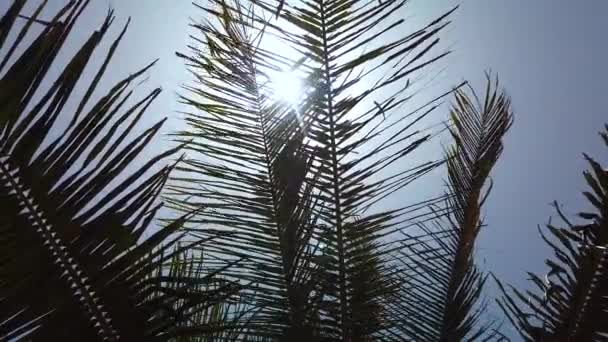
361,82
327,162
248,166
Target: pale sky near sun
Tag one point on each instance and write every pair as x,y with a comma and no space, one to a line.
549,54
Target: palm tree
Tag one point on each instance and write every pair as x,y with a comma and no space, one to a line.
301,187
569,302
74,261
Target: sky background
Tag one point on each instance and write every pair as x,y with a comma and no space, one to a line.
550,55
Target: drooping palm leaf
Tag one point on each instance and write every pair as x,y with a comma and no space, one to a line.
442,299
74,264
569,303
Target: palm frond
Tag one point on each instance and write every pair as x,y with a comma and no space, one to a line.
360,80
74,205
569,302
442,275
248,166
326,161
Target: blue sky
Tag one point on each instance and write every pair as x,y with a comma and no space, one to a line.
550,55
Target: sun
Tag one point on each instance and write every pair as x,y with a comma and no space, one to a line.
286,86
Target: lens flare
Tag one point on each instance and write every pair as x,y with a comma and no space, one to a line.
286,86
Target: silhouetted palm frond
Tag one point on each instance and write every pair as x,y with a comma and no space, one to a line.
442,296
300,187
248,166
361,83
569,303
220,316
74,262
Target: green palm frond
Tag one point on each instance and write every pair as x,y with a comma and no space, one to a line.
569,302
300,188
248,166
74,261
444,279
361,84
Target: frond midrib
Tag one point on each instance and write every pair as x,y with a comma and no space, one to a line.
335,175
76,276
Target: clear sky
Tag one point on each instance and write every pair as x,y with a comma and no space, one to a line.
550,55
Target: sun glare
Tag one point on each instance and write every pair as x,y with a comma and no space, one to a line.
286,86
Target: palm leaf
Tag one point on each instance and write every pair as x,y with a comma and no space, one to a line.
248,166
75,206
360,137
442,275
569,302
326,163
